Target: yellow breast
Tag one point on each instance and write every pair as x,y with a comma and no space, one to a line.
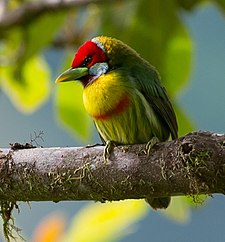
105,96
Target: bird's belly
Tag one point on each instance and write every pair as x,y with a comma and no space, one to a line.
137,124
122,114
123,130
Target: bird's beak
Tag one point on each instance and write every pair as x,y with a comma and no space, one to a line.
72,74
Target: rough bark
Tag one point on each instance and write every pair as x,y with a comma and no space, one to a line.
193,164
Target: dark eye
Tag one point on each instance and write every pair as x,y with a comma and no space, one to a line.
86,61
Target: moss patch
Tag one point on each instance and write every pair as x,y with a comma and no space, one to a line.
9,228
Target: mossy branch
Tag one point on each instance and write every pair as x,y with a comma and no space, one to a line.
193,164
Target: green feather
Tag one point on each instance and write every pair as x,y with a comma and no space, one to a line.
151,113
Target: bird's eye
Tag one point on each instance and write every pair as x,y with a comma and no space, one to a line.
86,61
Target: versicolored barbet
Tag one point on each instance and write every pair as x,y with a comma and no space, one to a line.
123,95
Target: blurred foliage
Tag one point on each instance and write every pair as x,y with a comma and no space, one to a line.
51,229
153,27
105,222
179,210
69,106
93,223
27,87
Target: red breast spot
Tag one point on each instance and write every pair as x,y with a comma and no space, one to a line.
120,107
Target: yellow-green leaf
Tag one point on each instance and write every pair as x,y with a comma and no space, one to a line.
185,123
105,222
179,210
177,60
41,32
197,201
27,86
70,109
221,4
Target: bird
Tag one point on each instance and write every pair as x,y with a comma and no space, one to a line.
123,94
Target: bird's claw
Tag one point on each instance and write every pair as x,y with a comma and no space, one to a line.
108,150
93,145
150,144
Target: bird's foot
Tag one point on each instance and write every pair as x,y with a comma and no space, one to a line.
150,144
93,145
108,150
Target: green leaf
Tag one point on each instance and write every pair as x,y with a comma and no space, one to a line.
70,109
21,43
105,222
178,211
39,33
221,4
197,201
27,86
185,123
150,29
177,60
116,17
188,4
180,208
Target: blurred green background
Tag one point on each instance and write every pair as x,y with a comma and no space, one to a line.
184,39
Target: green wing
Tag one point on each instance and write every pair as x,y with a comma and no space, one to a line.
157,97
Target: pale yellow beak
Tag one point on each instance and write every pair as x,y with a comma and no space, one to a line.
72,74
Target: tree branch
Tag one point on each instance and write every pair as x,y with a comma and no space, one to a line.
193,164
31,10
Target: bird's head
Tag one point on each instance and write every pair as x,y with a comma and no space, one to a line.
94,58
